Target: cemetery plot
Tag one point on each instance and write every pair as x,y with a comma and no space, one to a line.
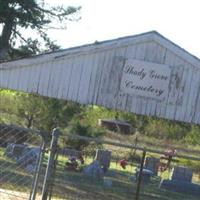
104,171
175,180
89,169
20,151
91,179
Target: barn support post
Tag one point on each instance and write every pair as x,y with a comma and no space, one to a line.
139,181
50,164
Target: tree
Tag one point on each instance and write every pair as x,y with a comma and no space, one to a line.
16,18
19,15
32,111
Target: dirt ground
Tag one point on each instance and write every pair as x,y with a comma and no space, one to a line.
15,195
12,195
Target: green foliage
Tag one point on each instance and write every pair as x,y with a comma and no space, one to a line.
81,129
151,127
32,111
194,165
164,129
93,113
193,136
34,15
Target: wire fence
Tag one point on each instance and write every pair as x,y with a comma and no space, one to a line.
73,167
87,168
21,154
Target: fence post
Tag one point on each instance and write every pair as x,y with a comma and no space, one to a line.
49,170
37,173
53,176
140,176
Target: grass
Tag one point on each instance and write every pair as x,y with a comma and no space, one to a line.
151,142
74,185
12,176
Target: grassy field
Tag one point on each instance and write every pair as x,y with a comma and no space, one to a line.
74,185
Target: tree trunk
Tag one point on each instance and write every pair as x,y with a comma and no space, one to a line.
29,121
5,38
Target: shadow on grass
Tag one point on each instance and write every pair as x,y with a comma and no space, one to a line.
74,185
12,176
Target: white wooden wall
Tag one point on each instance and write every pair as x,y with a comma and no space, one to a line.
91,75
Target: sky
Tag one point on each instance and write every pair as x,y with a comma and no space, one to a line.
178,20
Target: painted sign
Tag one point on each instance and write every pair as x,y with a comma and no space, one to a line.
145,79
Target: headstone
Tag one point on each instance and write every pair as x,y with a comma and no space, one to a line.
14,150
30,168
183,187
107,182
146,175
94,170
152,163
111,173
70,152
132,178
104,158
181,174
28,157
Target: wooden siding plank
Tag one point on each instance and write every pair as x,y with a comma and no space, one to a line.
43,79
23,79
112,87
149,105
99,61
104,78
92,82
197,109
54,80
183,97
4,78
31,77
65,78
140,55
160,56
193,97
35,78
84,84
131,99
176,65
75,78
178,51
14,79
174,89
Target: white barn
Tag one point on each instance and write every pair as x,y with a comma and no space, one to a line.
145,74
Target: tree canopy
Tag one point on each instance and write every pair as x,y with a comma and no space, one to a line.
33,111
16,16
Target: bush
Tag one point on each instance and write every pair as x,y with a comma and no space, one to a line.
163,129
193,136
82,130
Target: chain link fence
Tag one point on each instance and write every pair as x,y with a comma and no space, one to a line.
74,167
21,157
87,168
